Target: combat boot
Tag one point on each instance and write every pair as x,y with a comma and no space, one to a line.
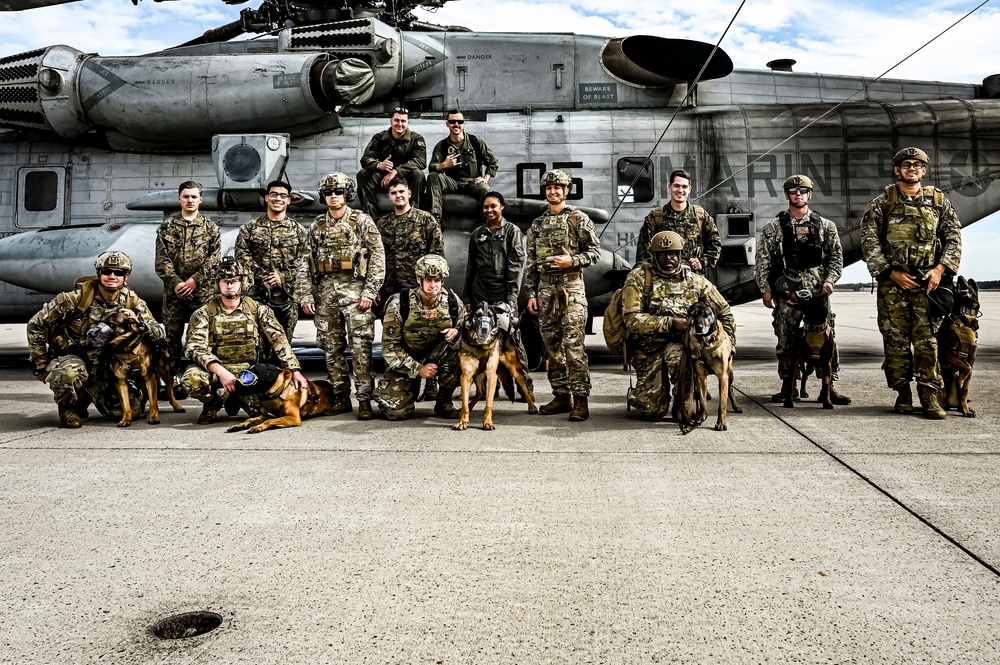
430,390
69,418
779,397
341,405
560,404
904,399
365,409
929,401
210,411
443,408
835,397
580,411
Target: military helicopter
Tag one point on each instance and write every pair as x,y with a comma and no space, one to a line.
98,145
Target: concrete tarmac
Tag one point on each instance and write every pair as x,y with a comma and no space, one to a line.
798,536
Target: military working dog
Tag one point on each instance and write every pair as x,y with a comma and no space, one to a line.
486,351
814,354
706,349
957,343
280,398
126,343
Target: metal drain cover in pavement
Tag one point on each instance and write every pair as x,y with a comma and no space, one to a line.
188,624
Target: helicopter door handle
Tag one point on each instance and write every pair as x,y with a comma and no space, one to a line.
462,71
558,69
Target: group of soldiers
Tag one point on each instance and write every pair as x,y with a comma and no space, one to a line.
347,268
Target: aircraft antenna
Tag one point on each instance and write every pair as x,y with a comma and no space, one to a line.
690,90
834,108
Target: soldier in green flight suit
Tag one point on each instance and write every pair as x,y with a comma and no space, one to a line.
911,239
460,163
226,337
657,296
418,340
57,340
339,281
395,152
560,244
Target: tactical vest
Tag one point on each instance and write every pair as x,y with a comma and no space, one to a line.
909,228
692,242
672,296
554,234
75,323
234,337
337,245
422,328
801,241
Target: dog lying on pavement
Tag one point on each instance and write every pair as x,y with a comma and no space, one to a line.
706,349
280,398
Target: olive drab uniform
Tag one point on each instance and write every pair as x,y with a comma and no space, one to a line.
912,234
57,336
264,245
184,250
695,227
406,238
409,157
650,300
561,296
407,345
344,261
235,340
808,251
476,156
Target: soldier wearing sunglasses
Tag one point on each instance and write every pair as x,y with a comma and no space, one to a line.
460,163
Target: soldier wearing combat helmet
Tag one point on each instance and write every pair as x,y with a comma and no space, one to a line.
911,240
655,303
560,245
418,335
339,280
57,339
801,248
226,337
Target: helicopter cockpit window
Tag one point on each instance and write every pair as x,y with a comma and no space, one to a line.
41,197
40,193
640,192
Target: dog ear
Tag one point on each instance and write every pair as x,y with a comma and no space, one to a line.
972,285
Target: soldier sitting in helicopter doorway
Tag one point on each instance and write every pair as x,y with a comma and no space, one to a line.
460,163
396,152
702,245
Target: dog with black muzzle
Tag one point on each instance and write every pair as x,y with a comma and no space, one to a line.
815,352
958,339
128,348
706,348
485,351
280,398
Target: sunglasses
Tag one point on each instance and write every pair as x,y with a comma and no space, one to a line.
456,122
117,273
798,190
339,191
401,109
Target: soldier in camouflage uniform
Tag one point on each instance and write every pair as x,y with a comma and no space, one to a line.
271,247
911,238
702,245
226,337
460,163
804,247
344,267
560,244
188,246
655,303
57,340
418,340
395,152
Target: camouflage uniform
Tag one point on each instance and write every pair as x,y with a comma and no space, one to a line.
561,296
406,347
407,238
267,245
695,227
653,347
475,155
409,158
333,270
57,337
914,235
184,250
235,340
786,319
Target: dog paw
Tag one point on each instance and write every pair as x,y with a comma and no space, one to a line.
788,405
736,409
461,426
828,406
533,409
969,414
719,427
489,427
180,410
234,428
256,430
154,421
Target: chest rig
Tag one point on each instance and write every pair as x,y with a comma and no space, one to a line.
555,234
801,241
234,337
910,227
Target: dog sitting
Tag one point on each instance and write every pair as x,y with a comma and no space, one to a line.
957,344
280,398
486,350
706,348
126,343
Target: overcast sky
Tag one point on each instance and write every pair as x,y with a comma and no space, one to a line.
831,36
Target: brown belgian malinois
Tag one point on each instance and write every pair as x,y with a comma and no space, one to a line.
706,349
280,398
958,339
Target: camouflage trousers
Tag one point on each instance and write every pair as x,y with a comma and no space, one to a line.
176,313
909,337
786,323
75,386
204,386
439,183
656,366
287,315
396,394
369,184
562,320
333,327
